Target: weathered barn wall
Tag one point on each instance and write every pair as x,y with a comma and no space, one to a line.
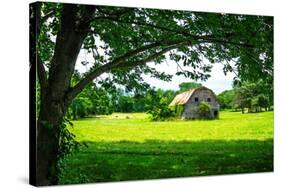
190,110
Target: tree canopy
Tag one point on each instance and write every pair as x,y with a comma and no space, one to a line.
185,86
253,96
123,40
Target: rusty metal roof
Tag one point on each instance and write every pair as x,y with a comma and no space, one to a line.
182,98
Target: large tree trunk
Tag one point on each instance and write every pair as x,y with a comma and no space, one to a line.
54,103
50,118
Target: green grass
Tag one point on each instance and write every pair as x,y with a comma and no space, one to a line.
130,147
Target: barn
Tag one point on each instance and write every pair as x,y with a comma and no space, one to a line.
191,99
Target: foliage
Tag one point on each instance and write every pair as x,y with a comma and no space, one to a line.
67,142
178,109
185,86
158,105
204,110
194,35
253,96
37,98
80,107
125,104
92,100
259,101
137,149
226,99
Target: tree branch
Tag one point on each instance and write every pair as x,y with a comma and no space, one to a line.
144,48
73,92
206,38
149,58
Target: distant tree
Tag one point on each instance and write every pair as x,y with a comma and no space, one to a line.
80,107
125,104
226,99
92,100
243,96
185,86
139,102
253,96
260,101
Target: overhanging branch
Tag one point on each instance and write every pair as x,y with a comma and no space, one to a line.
144,48
204,38
149,58
113,65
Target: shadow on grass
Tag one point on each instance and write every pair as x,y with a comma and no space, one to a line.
118,161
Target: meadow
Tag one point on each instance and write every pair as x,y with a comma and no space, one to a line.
131,147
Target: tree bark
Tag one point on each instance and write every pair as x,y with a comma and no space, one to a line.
50,117
53,101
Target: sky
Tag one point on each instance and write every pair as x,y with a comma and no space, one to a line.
218,82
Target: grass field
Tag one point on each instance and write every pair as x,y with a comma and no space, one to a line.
130,147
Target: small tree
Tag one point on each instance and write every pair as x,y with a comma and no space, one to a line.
178,109
158,106
185,86
204,110
226,99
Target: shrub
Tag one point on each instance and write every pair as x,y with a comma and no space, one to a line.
178,110
160,111
204,110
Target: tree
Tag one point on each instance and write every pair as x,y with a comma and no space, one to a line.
226,99
130,38
243,96
263,101
252,96
126,104
158,105
185,86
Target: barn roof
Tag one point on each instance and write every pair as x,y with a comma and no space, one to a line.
182,98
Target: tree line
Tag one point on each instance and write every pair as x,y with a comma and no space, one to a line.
101,100
253,96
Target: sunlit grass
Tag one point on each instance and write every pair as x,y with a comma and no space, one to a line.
138,128
130,146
